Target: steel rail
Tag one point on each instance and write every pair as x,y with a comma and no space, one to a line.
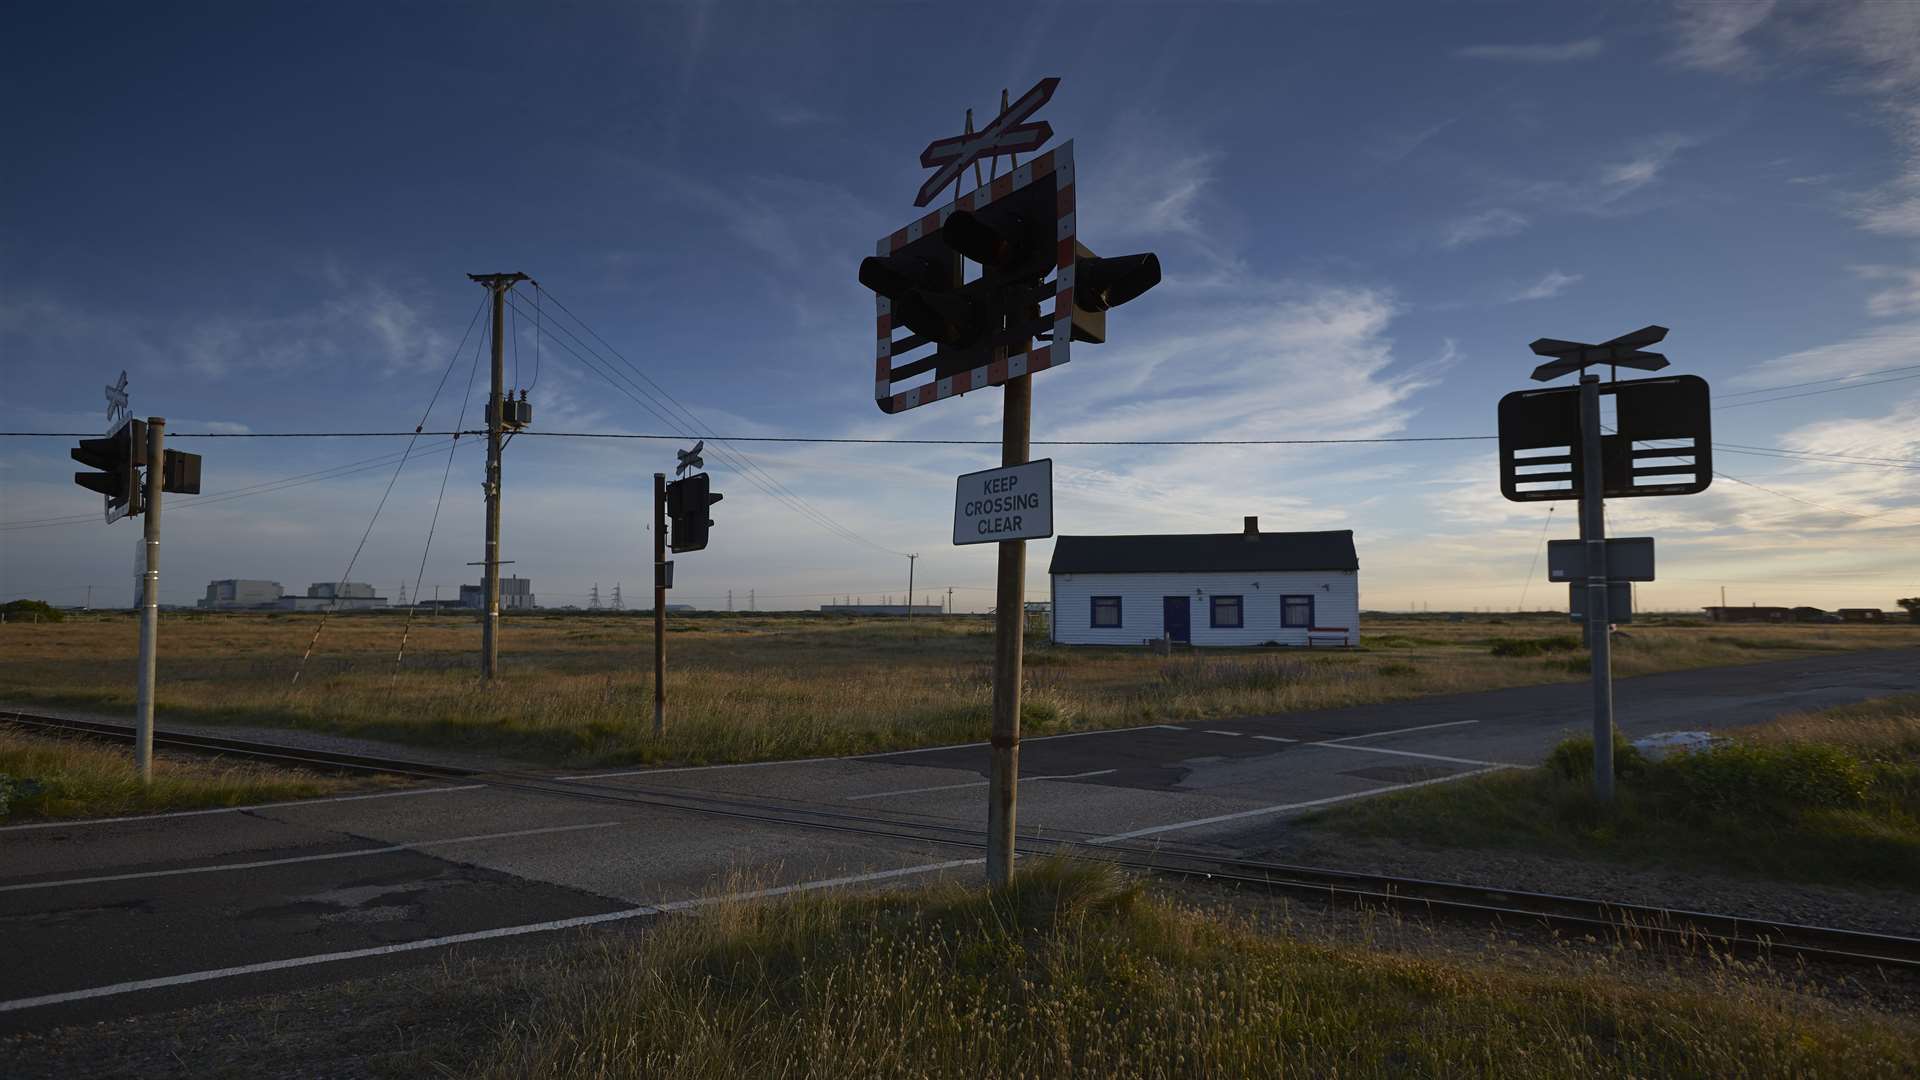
1601,919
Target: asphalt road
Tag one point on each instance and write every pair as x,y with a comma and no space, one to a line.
110,918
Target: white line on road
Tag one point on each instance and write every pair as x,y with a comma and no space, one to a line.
458,939
1410,753
1401,731
1215,731
860,757
974,783
1275,738
304,858
1284,807
241,809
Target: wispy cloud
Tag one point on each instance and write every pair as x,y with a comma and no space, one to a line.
1154,183
1888,346
1552,284
1535,53
1485,225
1716,37
1900,298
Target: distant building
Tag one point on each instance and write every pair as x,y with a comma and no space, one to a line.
516,594
878,609
1760,613
334,596
1862,614
240,593
1244,588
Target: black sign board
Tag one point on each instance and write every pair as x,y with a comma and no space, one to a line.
1663,445
1619,602
1629,558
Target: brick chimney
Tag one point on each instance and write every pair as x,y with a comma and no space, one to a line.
1253,528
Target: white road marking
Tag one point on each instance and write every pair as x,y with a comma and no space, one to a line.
1410,753
859,757
303,858
113,989
1284,807
1276,738
1215,731
241,809
974,783
1401,731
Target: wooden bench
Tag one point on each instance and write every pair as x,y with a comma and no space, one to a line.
1326,635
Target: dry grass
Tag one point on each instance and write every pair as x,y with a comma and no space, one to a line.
578,689
54,778
1078,972
1830,796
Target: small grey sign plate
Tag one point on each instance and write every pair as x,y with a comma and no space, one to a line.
1013,502
1629,558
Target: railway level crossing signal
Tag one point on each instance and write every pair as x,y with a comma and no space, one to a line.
130,446
683,503
1552,446
944,332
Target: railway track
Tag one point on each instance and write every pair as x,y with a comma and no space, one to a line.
1572,915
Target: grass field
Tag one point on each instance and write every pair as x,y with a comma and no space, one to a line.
54,778
577,689
1830,796
1077,972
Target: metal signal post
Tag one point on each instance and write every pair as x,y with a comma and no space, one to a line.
1593,534
150,600
659,604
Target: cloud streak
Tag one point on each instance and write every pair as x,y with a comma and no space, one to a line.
1537,53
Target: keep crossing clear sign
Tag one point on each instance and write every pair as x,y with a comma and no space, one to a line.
1014,502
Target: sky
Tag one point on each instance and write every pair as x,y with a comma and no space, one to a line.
265,214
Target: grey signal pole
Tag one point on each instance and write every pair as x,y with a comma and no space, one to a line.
1593,531
1009,634
150,600
910,561
498,284
660,604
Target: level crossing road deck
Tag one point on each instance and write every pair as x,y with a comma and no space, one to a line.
99,919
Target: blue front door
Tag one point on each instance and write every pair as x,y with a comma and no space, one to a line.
1178,619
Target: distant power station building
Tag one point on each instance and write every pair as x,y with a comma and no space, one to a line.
335,596
516,594
879,609
239,593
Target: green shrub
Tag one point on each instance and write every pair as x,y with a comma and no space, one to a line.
1573,759
27,610
1748,779
1522,647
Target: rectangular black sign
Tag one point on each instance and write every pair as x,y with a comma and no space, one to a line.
1663,444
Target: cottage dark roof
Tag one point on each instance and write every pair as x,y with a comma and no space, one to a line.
1200,552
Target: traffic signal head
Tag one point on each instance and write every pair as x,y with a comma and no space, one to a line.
119,456
1099,284
687,502
1020,230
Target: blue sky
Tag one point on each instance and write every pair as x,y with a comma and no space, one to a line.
265,214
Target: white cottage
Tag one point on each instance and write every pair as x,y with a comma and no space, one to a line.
1245,588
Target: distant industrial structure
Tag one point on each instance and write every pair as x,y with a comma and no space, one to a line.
1756,613
242,594
516,594
879,609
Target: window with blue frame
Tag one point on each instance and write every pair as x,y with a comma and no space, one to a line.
1296,612
1106,612
1227,612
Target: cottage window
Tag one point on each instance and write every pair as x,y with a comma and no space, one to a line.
1106,611
1227,612
1296,612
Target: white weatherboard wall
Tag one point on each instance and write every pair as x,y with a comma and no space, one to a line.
1336,602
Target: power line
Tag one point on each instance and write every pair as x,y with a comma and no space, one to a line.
1820,382
1812,393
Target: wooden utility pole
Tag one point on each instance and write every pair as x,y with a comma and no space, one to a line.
1009,640
659,604
498,284
910,561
